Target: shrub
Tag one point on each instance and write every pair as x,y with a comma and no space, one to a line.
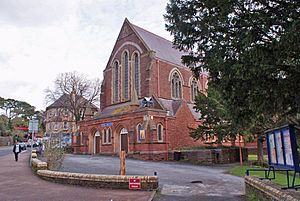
54,155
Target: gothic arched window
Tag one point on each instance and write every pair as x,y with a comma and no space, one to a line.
116,81
176,85
159,133
126,76
136,62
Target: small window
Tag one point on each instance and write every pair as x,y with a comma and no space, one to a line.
109,136
159,133
139,130
81,138
104,136
66,112
194,89
65,125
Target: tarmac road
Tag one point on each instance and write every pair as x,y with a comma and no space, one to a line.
6,150
178,181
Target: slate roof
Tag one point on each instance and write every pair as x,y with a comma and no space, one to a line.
164,48
123,108
112,110
170,105
64,101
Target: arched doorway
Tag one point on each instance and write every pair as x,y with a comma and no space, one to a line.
96,143
124,140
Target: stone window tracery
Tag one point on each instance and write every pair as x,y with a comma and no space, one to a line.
176,85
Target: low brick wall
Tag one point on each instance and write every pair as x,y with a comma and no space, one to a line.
154,155
97,180
212,156
91,180
36,164
265,190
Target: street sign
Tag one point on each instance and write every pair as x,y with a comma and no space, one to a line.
33,126
107,124
134,184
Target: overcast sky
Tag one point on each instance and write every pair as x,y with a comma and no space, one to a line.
40,39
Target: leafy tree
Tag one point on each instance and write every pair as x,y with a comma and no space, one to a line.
216,121
78,92
17,113
3,125
251,49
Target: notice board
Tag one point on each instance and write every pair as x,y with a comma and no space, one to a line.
282,148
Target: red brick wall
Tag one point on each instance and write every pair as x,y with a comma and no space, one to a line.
154,81
163,73
145,60
178,132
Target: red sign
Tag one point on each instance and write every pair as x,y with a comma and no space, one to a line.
134,184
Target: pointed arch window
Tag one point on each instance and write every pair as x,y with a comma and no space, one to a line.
136,62
194,89
116,81
176,85
126,75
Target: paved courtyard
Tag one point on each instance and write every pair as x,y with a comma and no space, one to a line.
177,181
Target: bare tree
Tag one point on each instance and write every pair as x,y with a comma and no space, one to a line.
75,92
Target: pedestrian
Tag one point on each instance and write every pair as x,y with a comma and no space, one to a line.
42,148
17,150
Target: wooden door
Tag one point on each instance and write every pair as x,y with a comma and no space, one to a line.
97,144
124,142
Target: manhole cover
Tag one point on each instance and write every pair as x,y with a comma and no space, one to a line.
196,182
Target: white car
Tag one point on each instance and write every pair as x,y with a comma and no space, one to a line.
22,145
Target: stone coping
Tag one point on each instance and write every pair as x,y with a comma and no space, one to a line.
267,190
92,180
98,180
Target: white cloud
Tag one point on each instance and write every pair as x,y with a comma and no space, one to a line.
41,39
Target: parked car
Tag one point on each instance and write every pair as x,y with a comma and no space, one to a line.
35,144
22,145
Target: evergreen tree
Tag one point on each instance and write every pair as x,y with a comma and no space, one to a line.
251,50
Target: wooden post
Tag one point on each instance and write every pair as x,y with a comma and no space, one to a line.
122,163
241,153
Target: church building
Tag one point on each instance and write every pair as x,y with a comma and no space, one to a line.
147,100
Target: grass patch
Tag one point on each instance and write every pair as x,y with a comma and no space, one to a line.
254,157
280,178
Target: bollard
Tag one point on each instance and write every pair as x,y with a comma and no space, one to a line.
122,163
